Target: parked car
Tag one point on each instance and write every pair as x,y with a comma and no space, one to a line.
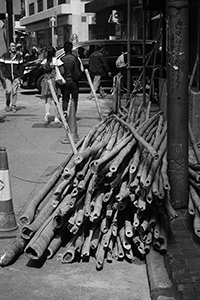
33,73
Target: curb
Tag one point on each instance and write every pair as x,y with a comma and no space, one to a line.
161,286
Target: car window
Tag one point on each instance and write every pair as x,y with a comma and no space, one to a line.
113,49
85,51
136,49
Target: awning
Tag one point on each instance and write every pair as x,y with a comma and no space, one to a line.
98,5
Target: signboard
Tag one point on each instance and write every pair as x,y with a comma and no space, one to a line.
53,21
1,24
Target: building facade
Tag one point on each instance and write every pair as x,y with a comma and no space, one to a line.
111,22
56,21
112,19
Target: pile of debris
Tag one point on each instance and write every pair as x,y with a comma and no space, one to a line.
110,200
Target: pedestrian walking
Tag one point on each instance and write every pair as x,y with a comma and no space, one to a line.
98,67
34,53
49,64
71,71
26,53
11,65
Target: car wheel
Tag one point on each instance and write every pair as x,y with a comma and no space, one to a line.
38,83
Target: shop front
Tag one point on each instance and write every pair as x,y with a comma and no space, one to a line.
111,19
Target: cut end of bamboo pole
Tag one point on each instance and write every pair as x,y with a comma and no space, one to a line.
32,253
24,220
129,233
94,166
78,159
26,233
57,221
68,256
132,169
74,192
113,169
126,245
107,196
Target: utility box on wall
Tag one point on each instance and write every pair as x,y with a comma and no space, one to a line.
194,114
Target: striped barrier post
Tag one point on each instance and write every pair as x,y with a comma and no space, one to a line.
8,223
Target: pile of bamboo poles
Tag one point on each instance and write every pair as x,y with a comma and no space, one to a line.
111,200
194,183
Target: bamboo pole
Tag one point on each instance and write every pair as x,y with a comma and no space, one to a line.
94,93
66,126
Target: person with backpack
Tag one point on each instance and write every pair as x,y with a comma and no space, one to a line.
98,67
71,71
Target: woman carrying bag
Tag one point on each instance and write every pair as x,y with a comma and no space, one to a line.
49,65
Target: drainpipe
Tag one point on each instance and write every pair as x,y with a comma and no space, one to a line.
128,50
177,97
198,48
144,55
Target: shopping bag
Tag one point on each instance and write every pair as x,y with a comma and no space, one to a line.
58,77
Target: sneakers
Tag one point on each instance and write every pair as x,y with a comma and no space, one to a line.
90,97
57,121
104,96
67,141
7,108
46,118
13,108
10,108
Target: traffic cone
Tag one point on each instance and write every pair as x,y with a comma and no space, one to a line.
8,225
72,121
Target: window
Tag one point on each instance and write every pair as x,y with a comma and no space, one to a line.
64,2
49,3
40,5
83,19
31,9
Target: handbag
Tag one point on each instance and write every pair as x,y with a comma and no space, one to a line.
58,77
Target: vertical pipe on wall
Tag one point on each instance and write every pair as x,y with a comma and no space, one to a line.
9,10
128,50
198,48
177,96
144,55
